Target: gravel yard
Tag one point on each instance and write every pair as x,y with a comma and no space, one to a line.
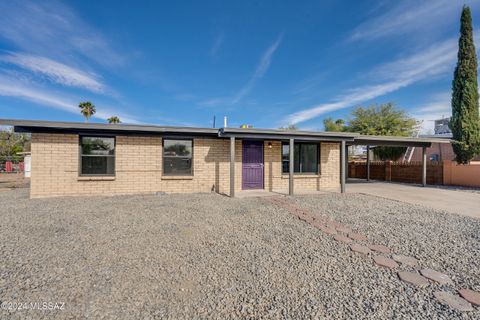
209,256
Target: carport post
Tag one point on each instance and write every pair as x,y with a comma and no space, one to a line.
342,166
368,163
424,166
291,167
346,161
232,167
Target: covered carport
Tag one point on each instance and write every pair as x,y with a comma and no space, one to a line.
390,141
344,139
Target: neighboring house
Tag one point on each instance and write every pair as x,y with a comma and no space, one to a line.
106,159
438,151
441,126
357,153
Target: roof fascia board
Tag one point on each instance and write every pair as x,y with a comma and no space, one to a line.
273,132
285,137
114,132
77,126
393,143
266,134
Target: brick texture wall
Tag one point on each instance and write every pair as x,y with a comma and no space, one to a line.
327,180
138,168
443,150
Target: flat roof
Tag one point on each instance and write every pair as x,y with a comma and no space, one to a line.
248,133
437,136
396,141
286,134
52,126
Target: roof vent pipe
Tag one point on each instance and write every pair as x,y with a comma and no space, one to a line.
225,122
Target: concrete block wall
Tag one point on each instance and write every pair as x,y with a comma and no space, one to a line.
138,168
327,180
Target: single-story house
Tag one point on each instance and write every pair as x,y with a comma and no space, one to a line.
72,159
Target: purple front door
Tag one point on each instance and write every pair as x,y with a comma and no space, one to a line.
252,165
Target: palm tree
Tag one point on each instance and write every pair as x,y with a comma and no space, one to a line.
87,109
114,119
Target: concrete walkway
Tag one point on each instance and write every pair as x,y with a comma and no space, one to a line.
455,201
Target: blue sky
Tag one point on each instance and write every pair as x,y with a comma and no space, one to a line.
265,63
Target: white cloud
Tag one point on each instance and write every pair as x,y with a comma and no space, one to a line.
262,68
435,60
13,88
260,71
440,103
410,16
55,71
215,102
217,43
432,62
52,29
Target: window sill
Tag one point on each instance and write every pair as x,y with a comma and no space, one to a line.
301,176
177,178
94,178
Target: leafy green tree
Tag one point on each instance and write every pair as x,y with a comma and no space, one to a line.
465,123
383,120
380,120
87,109
12,142
335,126
114,119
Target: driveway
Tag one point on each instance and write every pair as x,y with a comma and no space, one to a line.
462,202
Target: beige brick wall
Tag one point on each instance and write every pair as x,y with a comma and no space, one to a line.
327,180
138,161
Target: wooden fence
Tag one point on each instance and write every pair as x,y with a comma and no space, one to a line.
407,172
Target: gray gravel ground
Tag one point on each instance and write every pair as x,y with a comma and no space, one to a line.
209,256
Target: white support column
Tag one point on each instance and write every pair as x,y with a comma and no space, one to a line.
291,167
232,167
368,163
342,166
424,166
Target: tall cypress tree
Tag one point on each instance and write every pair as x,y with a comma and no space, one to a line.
465,122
